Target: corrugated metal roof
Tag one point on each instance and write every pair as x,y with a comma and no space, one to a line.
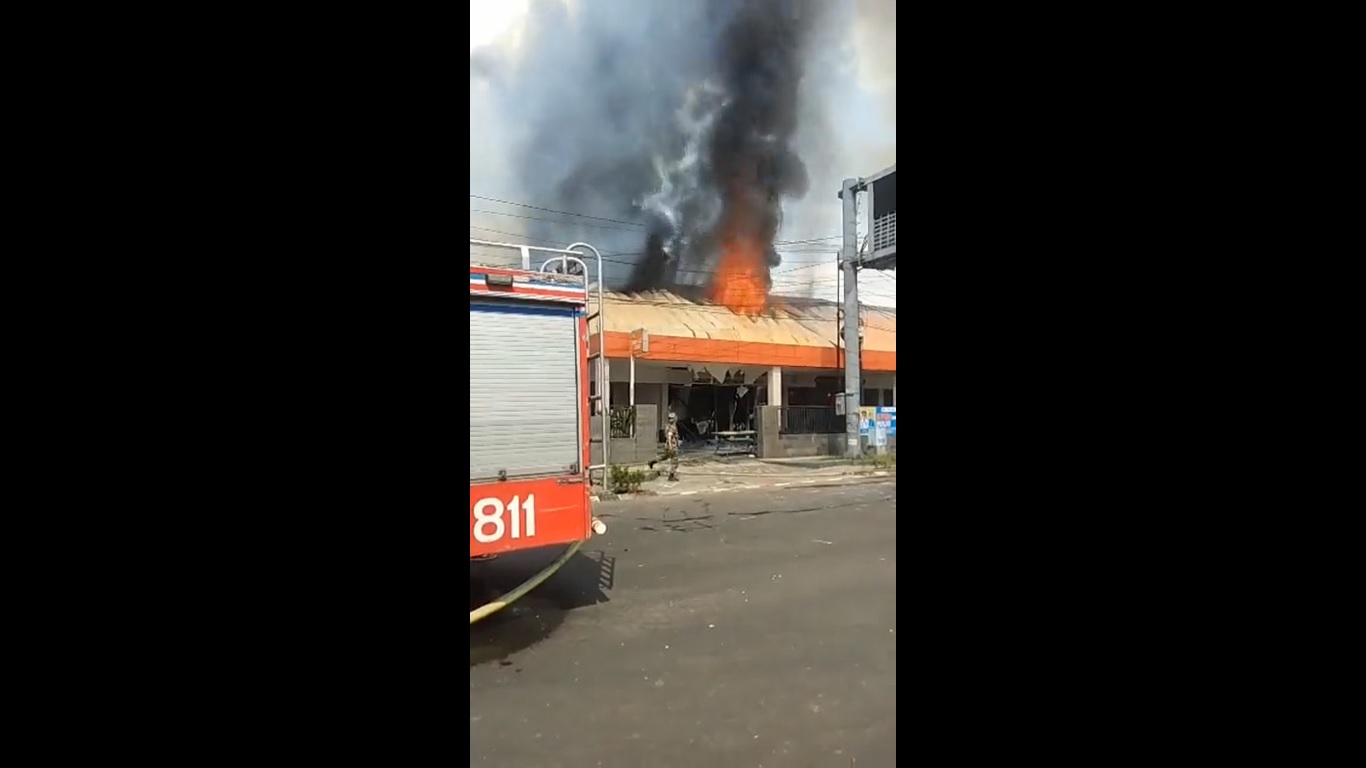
790,320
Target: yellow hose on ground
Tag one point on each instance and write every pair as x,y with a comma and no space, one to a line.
485,611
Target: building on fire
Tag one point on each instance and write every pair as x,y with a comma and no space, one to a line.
714,367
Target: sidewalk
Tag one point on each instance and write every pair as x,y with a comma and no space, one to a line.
718,475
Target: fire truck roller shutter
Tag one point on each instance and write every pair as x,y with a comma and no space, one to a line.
524,389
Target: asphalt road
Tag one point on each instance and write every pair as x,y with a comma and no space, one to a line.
745,629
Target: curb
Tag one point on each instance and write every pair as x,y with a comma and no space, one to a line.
824,482
766,474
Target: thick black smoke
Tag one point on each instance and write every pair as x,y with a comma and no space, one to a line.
750,164
678,117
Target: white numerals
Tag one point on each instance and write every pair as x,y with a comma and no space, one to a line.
489,522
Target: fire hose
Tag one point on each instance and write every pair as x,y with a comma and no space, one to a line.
485,611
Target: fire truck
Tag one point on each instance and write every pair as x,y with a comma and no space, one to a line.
530,411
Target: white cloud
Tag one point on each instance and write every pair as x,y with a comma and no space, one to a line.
491,19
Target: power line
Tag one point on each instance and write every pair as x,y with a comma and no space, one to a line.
552,221
692,306
775,276
797,269
552,210
633,225
607,257
808,244
809,240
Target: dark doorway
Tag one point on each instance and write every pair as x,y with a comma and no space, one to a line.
707,408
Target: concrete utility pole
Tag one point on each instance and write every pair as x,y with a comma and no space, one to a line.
849,265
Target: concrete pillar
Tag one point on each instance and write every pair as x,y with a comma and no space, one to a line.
894,389
775,385
852,359
664,403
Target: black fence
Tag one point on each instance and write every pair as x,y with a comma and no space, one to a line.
623,421
809,420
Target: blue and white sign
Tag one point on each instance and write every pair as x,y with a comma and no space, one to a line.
873,419
886,416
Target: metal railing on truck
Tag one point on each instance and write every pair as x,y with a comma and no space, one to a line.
564,257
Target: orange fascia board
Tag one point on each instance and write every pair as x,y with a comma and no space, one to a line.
679,349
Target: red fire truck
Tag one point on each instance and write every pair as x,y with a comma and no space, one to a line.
530,411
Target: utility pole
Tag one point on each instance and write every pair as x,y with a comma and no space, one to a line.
849,268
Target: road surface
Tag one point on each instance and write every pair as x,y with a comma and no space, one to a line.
751,628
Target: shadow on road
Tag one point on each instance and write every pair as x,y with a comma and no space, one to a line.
583,581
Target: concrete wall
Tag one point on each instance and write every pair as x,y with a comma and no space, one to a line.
645,395
793,446
640,449
773,445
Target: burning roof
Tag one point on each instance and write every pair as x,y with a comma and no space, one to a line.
785,320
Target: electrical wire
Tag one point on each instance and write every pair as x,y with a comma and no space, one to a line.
795,312
632,225
607,257
552,210
802,247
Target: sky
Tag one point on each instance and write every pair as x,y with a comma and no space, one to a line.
866,145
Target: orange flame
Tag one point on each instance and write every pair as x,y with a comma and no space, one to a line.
741,283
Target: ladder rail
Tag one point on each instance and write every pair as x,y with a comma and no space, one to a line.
575,254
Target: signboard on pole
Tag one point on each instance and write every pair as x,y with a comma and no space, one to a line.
886,419
867,415
640,342
875,418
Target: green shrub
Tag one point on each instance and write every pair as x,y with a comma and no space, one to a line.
626,480
879,460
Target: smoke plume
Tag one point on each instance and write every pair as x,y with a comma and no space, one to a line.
681,129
